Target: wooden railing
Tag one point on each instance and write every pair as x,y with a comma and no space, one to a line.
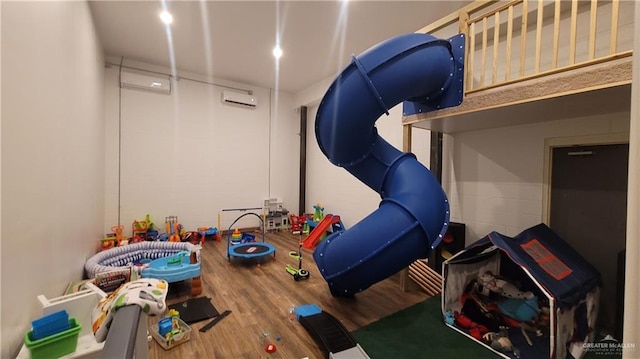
513,41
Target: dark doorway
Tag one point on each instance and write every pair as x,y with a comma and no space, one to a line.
588,208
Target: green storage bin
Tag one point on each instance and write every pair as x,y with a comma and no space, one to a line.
54,346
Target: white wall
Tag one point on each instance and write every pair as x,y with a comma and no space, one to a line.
421,145
494,177
187,154
52,155
284,163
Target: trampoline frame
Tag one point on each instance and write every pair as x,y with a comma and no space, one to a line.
230,247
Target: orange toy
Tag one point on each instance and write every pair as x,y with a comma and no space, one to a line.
172,228
118,231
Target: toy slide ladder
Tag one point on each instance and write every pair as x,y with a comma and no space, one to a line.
329,221
330,335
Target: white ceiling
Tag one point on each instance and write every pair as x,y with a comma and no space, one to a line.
233,40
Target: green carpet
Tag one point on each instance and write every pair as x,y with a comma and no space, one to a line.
417,332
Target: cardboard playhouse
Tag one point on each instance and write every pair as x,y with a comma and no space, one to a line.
530,296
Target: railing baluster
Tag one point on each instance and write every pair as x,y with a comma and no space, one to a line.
472,52
615,6
592,29
556,35
484,51
507,73
539,35
463,28
496,38
523,36
574,32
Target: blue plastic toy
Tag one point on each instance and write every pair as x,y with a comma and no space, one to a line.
50,324
172,269
165,326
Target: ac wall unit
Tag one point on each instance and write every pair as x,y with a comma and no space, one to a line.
146,82
239,99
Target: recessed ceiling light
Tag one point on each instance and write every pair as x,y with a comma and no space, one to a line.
277,52
166,17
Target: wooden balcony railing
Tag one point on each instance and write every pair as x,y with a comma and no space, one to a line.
514,41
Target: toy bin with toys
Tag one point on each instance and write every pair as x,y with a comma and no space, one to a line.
178,332
55,345
528,296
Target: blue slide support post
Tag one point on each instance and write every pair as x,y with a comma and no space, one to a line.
412,218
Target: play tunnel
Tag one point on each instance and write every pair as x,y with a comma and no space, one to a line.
426,73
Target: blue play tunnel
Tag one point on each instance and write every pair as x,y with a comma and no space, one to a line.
414,212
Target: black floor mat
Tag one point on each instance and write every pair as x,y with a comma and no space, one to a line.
194,310
328,332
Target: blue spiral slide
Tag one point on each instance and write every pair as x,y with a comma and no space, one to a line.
412,218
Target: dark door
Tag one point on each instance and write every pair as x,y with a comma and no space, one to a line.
588,209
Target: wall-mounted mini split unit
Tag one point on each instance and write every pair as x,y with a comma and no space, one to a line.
145,82
239,99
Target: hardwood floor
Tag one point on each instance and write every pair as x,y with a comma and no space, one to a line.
260,297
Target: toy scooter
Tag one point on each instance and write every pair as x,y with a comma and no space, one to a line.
299,273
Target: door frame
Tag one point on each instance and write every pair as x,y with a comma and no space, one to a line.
554,142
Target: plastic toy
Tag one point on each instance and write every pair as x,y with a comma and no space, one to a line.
269,347
172,269
449,317
165,326
152,230
150,225
298,223
318,212
252,249
315,218
51,324
173,228
148,293
171,331
475,330
500,341
247,238
122,258
275,216
53,346
169,325
193,237
119,240
139,231
236,236
209,231
109,241
328,332
319,231
299,273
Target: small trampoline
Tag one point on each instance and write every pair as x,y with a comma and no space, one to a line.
249,250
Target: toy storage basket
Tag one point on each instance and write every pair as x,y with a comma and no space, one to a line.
54,346
177,339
